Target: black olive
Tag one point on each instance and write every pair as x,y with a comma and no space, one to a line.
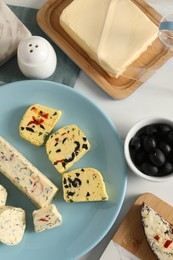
170,157
157,157
149,169
76,182
151,130
165,148
166,169
141,132
164,129
140,157
170,137
70,159
149,143
77,145
135,144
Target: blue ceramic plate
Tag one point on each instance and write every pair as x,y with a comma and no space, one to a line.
84,224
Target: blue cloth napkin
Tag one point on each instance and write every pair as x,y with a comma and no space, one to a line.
66,72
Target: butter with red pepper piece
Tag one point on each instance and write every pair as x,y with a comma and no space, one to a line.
83,185
159,233
66,146
46,218
25,176
37,122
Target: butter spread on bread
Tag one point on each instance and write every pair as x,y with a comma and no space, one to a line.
159,233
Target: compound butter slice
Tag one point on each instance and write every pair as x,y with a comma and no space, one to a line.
128,35
46,218
25,176
12,225
83,185
37,123
66,146
3,195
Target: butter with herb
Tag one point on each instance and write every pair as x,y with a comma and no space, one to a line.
37,123
82,185
12,225
158,232
66,146
25,176
3,195
46,218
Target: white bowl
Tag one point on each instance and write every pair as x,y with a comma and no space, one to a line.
131,134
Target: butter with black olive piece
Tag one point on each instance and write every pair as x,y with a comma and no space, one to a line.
66,146
84,185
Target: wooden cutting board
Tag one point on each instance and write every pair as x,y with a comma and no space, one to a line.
130,234
154,57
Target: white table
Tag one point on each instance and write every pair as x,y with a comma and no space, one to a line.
154,97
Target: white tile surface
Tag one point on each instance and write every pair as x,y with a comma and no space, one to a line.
115,251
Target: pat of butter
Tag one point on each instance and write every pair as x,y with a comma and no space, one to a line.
84,185
25,176
12,31
128,34
46,218
3,196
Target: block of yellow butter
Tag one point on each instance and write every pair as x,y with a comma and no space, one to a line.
12,31
113,33
37,123
66,146
82,185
